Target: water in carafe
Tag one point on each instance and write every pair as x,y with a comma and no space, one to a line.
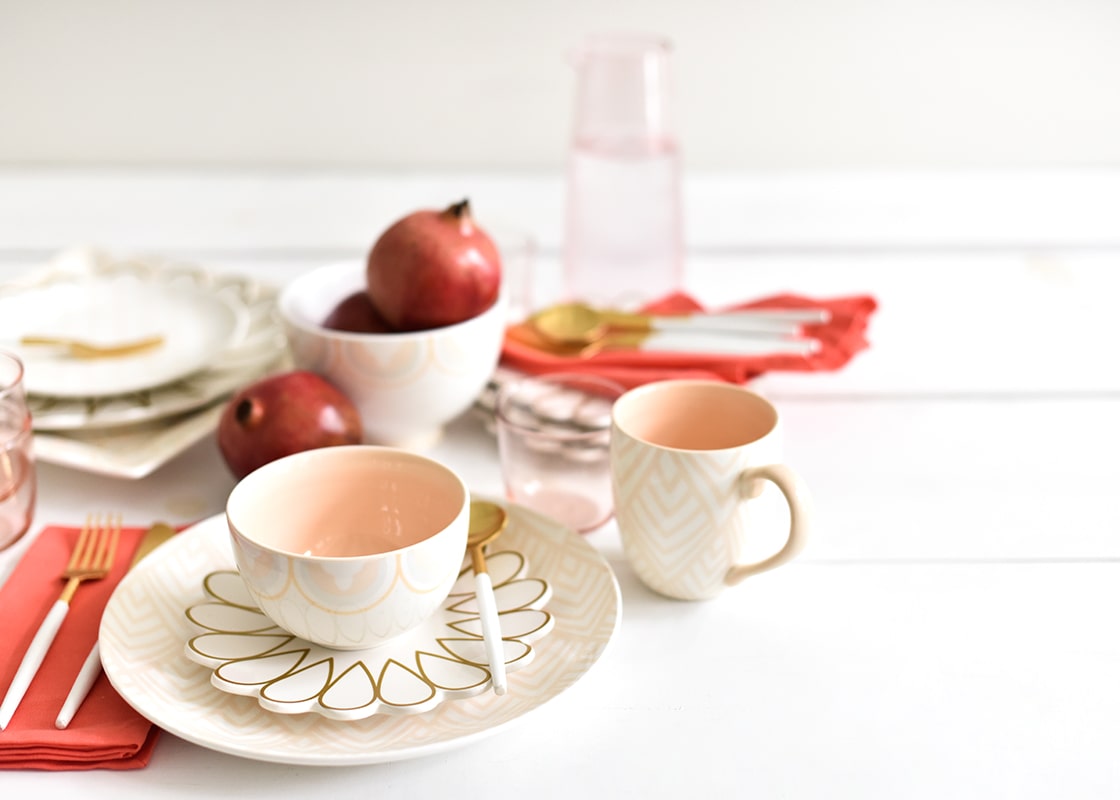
623,238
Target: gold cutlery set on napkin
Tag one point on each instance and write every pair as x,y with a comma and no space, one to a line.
155,536
91,559
580,330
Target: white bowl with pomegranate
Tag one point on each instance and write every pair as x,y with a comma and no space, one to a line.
408,370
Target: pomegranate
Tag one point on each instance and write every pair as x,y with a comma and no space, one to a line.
431,268
284,414
356,314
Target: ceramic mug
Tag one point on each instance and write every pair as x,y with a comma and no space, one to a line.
689,462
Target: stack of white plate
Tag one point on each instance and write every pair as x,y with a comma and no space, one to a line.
127,415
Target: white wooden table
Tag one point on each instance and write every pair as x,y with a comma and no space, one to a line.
950,632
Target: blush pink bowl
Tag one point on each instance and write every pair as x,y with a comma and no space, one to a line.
349,547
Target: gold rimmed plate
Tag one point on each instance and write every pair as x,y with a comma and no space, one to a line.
172,386
145,628
108,307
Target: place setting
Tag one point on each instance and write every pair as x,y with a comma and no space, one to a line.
178,627
354,601
210,668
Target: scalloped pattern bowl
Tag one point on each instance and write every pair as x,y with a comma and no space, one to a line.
348,547
407,386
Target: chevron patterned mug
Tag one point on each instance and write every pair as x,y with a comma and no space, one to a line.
691,465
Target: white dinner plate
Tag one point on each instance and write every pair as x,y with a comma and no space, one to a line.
144,631
87,422
113,305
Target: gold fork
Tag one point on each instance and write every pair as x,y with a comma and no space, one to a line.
77,348
91,559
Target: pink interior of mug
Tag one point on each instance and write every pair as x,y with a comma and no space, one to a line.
340,502
694,415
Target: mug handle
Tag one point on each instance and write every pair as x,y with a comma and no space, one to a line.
800,516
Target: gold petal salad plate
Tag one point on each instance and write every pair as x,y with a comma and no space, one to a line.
147,628
442,659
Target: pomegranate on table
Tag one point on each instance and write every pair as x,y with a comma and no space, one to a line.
284,414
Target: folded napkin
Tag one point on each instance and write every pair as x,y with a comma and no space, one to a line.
106,733
840,338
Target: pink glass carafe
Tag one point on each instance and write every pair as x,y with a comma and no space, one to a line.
623,237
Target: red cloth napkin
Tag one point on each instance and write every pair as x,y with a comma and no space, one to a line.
841,338
106,733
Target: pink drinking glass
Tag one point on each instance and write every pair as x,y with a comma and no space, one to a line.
554,443
17,463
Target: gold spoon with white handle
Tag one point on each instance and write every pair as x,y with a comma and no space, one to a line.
488,520
581,324
692,342
79,348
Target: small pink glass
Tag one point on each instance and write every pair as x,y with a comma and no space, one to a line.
17,463
554,443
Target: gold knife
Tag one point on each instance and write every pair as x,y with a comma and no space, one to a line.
153,538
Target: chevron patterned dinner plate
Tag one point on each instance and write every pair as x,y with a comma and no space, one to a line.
144,630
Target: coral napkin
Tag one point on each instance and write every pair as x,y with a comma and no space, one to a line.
841,338
106,733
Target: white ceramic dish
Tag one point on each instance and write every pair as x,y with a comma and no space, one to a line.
444,659
406,385
349,547
131,435
144,629
259,351
131,452
111,306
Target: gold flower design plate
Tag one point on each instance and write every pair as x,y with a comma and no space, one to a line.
442,659
144,630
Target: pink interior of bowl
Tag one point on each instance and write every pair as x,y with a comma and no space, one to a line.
340,502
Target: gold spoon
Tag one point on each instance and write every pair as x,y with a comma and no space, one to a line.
582,324
87,350
530,336
488,520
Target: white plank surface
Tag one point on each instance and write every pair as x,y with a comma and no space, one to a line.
923,681
949,631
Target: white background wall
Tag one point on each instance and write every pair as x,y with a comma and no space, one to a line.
762,84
